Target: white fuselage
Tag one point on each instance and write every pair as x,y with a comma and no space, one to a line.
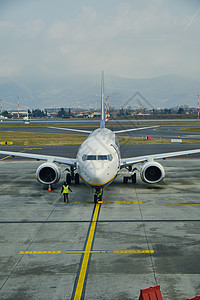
98,158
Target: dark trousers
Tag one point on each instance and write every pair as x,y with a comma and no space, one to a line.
66,199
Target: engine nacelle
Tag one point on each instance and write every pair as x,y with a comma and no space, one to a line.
48,173
152,172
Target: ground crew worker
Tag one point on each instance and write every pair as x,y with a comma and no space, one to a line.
65,191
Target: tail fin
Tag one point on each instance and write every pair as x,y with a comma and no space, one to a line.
107,115
102,124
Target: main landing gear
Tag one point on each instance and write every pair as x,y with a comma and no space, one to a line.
98,195
132,178
131,175
72,176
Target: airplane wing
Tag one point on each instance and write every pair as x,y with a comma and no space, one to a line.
134,129
138,159
70,129
58,159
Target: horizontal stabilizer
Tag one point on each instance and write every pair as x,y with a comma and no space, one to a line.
135,129
70,129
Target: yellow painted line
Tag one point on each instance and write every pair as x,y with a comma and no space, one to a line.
120,202
108,251
12,155
182,204
87,252
82,274
39,252
5,157
126,202
93,251
68,203
21,152
134,251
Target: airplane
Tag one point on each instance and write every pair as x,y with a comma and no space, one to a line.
98,161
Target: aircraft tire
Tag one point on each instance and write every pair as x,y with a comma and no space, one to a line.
95,198
76,178
133,178
125,180
68,178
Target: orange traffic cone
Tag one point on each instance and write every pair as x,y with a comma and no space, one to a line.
49,189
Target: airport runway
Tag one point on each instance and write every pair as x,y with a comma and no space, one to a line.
168,132
140,236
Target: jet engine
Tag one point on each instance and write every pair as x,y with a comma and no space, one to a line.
152,172
48,173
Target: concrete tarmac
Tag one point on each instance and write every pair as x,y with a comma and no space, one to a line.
142,235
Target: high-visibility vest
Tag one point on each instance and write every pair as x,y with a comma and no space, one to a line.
65,189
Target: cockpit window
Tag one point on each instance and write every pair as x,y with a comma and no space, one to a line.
84,157
110,157
97,157
102,157
91,157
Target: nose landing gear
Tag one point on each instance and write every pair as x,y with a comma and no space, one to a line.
98,195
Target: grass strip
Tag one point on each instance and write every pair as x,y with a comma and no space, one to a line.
50,139
192,129
40,139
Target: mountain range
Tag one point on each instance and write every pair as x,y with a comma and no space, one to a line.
84,91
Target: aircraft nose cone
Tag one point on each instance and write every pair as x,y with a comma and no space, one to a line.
95,176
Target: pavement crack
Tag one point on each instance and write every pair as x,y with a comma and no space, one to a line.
146,237
20,259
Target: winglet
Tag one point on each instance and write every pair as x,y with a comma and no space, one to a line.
102,124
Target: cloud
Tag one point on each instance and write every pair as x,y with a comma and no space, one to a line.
134,39
28,30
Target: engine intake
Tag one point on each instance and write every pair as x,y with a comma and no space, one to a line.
152,172
48,173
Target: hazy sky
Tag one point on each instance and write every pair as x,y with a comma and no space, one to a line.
136,39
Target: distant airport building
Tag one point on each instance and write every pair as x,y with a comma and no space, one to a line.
21,113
